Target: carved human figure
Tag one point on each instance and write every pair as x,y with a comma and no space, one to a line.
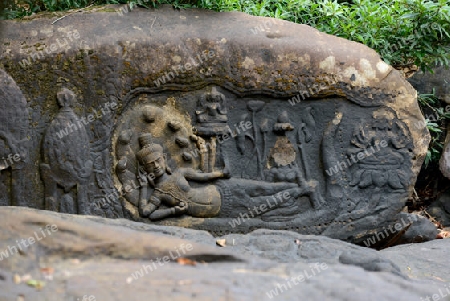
66,157
212,122
290,172
14,144
380,147
172,189
164,193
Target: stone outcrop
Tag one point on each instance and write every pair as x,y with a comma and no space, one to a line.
216,121
436,83
75,257
426,82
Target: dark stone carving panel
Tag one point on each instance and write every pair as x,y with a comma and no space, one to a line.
211,154
14,143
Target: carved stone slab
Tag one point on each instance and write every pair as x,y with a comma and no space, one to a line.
222,122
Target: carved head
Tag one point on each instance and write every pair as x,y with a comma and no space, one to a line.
215,97
145,139
153,159
122,165
66,98
214,102
383,120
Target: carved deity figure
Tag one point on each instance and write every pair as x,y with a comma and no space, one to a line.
165,193
381,146
172,189
212,122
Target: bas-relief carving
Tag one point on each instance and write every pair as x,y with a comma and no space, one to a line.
386,140
372,159
201,183
93,96
207,154
74,158
67,164
14,143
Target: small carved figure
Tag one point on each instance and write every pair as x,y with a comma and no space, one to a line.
212,108
285,169
380,147
212,119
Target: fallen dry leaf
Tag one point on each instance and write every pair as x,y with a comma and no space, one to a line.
17,279
221,242
47,271
26,277
185,282
186,261
443,234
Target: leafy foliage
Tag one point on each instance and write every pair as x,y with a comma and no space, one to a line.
403,32
436,118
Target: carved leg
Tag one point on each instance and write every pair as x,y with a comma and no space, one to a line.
83,200
315,196
50,189
212,155
18,187
252,188
67,205
51,196
4,197
224,160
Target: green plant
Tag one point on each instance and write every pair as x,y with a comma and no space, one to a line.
21,8
403,32
436,118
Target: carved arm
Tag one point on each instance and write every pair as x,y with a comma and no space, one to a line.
191,174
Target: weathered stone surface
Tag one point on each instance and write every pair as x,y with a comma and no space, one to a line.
14,144
422,261
420,230
426,82
440,209
96,257
444,161
439,83
223,122
286,247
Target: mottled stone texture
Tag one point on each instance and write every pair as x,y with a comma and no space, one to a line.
117,260
216,121
438,83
